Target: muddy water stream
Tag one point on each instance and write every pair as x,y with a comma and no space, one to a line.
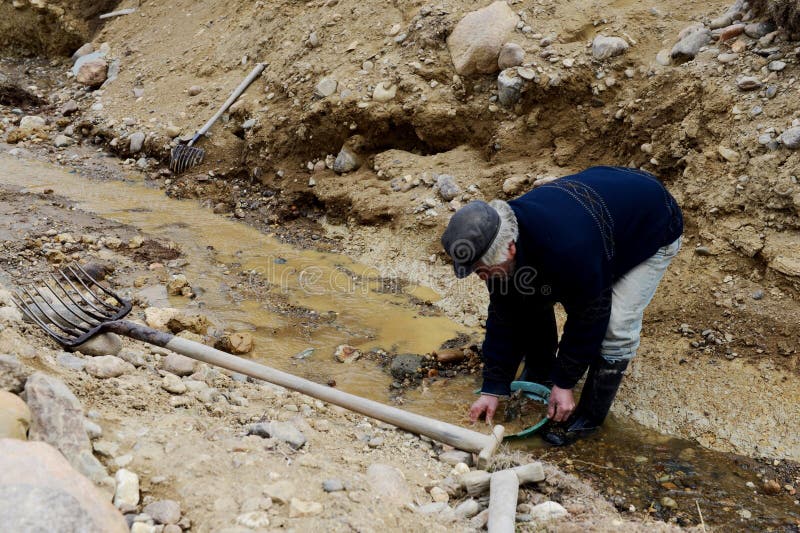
633,466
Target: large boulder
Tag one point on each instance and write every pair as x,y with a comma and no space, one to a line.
40,491
57,418
477,39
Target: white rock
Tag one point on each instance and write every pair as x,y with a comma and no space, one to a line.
326,87
107,366
605,47
301,508
547,511
511,55
126,496
31,123
173,384
384,91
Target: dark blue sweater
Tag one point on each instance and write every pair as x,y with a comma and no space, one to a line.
577,236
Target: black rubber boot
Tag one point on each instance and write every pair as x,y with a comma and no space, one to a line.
597,396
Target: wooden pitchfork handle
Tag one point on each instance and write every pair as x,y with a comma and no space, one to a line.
462,438
237,92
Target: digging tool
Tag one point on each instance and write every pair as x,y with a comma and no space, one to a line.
185,156
74,307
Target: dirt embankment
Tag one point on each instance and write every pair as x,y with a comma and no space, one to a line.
49,27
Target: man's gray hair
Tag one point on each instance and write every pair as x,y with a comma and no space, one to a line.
508,232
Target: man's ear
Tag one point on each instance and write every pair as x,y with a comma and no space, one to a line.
512,250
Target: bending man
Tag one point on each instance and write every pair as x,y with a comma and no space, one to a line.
599,243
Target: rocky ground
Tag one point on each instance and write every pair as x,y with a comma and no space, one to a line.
177,445
371,125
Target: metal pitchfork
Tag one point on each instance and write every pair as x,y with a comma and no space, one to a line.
185,156
74,307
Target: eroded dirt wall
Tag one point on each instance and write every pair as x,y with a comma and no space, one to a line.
49,27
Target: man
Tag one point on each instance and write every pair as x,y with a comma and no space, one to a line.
598,242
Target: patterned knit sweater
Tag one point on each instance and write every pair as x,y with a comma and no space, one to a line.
577,236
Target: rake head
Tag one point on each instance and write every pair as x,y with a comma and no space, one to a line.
72,307
185,156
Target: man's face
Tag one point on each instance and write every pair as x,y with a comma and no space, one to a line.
503,270
500,271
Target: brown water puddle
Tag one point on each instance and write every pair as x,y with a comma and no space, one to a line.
631,464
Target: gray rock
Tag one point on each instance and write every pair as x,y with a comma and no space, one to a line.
103,344
727,58
511,55
405,365
605,47
93,430
85,59
70,107
791,138
61,141
136,142
467,509
164,511
87,48
178,364
325,87
448,188
346,161
194,90
126,494
453,457
332,485
771,91
757,30
776,66
764,139
107,366
283,431
70,361
12,374
134,357
113,72
748,83
40,491
388,484
690,44
57,418
509,87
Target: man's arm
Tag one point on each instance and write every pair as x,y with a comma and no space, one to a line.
501,353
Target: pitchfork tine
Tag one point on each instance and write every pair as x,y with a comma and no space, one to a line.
59,315
83,298
90,290
71,299
44,314
91,322
25,309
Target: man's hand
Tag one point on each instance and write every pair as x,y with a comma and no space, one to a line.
485,404
561,404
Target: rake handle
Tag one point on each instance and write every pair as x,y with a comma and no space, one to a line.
456,436
256,72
